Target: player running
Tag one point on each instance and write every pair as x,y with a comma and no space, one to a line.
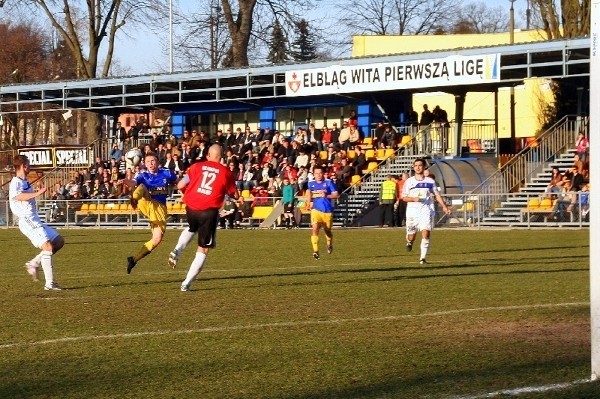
319,198
419,192
150,198
205,183
22,204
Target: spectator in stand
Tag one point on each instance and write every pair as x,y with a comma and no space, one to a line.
261,195
360,161
267,137
240,138
227,213
302,178
440,116
289,172
345,171
244,210
186,155
114,174
583,147
335,136
121,135
353,119
344,137
300,136
116,189
253,139
161,153
286,152
578,163
86,190
389,138
185,138
70,188
567,200
154,142
98,167
203,137
115,152
427,119
315,138
378,138
302,159
229,139
169,147
413,118
556,182
354,138
325,137
220,140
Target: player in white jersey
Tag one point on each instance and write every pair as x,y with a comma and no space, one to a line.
22,204
420,191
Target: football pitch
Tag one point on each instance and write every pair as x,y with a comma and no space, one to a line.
494,313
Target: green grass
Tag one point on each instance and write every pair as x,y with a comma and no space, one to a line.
493,310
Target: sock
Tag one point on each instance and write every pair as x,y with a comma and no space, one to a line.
424,247
36,259
46,259
185,238
315,243
195,268
144,251
328,237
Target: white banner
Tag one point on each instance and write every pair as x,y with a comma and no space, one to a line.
450,71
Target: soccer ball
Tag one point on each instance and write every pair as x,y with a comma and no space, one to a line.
133,157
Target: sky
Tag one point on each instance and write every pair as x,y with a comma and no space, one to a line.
147,52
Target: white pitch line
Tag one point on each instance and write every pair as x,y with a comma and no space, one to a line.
518,391
285,324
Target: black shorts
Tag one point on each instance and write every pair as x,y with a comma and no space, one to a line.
205,224
288,208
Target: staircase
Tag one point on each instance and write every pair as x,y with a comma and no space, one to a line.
503,195
357,198
509,211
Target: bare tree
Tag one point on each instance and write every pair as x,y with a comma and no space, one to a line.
573,16
88,27
479,18
397,17
237,33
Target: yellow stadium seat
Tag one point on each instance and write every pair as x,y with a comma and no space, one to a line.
350,155
405,140
355,179
323,155
370,154
170,206
93,207
533,203
381,154
389,153
85,207
546,203
367,141
371,166
245,193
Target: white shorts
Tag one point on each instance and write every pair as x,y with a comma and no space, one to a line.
419,223
37,232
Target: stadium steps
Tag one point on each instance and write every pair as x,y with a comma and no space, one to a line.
508,213
355,200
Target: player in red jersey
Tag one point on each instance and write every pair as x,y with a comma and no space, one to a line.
206,184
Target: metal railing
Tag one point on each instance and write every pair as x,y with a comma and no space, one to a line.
533,158
468,210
